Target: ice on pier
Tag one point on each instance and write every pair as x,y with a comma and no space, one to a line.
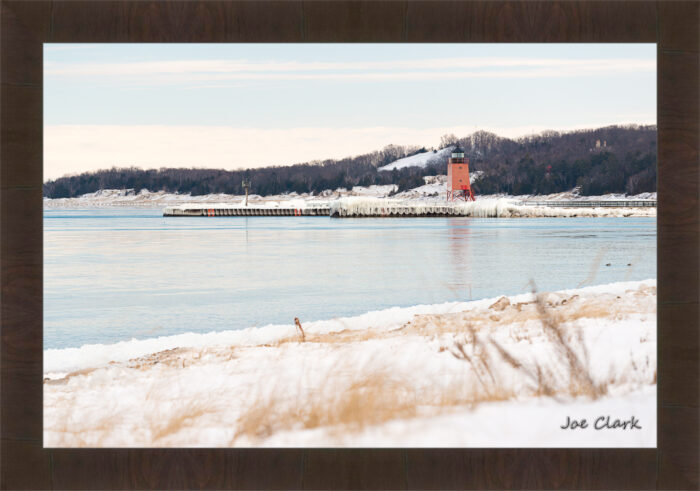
481,208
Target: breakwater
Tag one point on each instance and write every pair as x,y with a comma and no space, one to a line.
236,210
485,208
358,207
645,203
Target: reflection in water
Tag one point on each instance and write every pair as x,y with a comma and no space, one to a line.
458,240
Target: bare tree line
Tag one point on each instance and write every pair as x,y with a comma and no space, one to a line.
620,159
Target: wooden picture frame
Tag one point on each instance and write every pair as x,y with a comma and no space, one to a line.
26,25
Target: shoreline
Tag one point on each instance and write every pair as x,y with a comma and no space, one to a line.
119,198
58,361
429,375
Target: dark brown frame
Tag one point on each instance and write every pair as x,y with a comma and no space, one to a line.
27,24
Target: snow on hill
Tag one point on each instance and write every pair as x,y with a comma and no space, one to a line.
417,160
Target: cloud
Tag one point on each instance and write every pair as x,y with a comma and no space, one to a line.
199,71
232,66
80,148
55,47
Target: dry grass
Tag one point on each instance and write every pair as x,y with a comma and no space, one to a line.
367,398
374,397
560,308
184,416
344,406
480,361
337,337
595,266
353,397
573,353
71,432
172,357
156,427
63,380
569,374
181,357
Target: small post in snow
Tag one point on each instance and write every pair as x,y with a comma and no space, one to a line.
303,336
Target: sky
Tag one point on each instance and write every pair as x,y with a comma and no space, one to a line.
236,106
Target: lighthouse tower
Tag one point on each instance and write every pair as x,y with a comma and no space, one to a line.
458,185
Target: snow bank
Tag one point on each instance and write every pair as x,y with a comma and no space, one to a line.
61,361
419,376
430,191
58,362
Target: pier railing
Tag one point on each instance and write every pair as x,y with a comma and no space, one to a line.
593,204
235,210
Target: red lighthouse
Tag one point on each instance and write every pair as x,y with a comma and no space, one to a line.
458,185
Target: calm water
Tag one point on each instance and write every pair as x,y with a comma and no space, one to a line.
112,275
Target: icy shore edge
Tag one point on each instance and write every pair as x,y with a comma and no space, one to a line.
58,362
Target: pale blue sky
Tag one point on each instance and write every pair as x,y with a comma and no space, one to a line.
218,105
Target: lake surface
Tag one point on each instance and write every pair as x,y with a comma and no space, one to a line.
116,274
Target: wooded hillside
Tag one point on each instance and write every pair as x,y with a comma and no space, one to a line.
613,159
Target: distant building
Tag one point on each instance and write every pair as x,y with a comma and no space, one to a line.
458,183
600,147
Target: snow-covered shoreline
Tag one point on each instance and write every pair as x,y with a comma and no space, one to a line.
60,361
432,191
428,375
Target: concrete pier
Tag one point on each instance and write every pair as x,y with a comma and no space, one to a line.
382,207
399,210
234,210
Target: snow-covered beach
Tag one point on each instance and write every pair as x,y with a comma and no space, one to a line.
504,371
432,191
